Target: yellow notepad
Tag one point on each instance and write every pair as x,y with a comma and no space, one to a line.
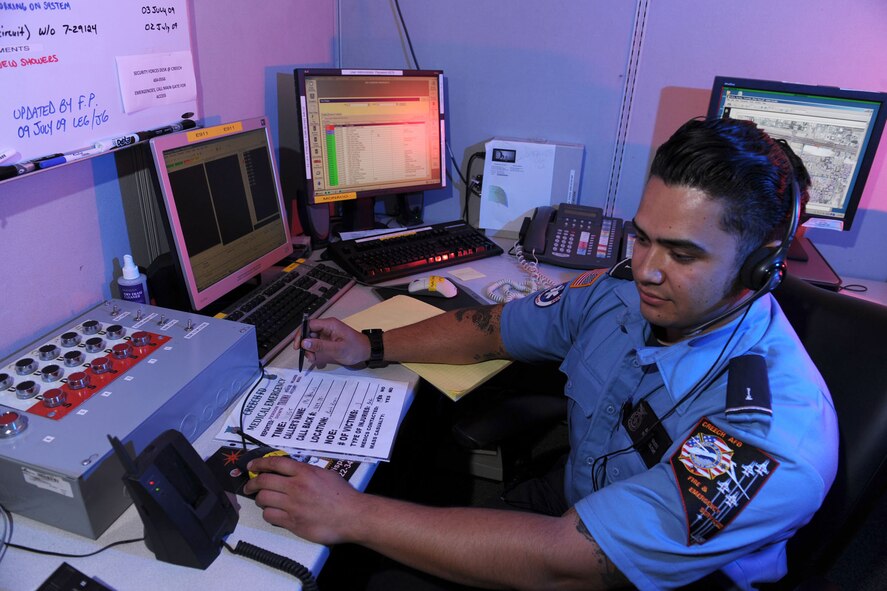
453,380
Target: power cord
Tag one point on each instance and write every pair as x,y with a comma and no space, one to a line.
7,537
854,287
406,33
472,187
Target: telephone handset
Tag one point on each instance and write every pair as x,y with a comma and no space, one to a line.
572,236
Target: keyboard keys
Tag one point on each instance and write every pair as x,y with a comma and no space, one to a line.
416,250
277,311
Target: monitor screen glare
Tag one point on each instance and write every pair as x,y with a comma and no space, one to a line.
371,132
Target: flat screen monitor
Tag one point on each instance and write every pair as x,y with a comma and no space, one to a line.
221,195
834,131
366,133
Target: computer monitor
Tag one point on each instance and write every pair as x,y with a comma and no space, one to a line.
834,131
221,195
366,133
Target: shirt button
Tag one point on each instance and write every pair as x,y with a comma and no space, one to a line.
635,363
569,384
610,409
614,472
589,460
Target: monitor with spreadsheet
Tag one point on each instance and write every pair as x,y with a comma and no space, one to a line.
834,131
367,133
221,195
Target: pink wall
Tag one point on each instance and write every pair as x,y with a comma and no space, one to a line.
63,231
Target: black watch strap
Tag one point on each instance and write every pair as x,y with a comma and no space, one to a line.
377,350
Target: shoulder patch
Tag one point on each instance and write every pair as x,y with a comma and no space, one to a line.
718,475
588,278
622,270
550,296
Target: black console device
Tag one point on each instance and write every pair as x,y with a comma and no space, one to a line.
185,511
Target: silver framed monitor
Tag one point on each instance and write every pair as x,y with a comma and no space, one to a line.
221,195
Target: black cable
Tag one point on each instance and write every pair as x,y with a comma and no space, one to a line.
467,180
854,287
277,561
649,431
406,33
7,543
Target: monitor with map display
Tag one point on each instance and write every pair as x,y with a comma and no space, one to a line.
834,131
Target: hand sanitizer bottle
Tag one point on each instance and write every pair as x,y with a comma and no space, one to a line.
133,284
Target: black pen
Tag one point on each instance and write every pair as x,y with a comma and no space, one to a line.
303,336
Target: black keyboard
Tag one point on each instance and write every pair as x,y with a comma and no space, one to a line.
415,250
276,309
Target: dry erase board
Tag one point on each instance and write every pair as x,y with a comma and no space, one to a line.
59,85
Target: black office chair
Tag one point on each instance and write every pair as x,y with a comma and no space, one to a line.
845,337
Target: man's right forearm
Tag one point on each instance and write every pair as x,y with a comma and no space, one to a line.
469,335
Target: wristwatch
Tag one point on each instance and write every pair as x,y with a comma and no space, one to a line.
377,350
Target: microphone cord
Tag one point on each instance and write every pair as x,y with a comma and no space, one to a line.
704,382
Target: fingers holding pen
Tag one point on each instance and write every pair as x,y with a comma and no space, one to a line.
330,340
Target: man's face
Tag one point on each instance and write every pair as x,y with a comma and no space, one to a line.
684,263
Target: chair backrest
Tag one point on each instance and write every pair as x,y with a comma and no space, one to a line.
847,339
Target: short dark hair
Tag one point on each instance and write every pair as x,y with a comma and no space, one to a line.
739,164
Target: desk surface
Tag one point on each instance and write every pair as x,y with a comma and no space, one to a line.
134,566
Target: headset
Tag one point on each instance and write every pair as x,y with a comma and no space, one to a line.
763,270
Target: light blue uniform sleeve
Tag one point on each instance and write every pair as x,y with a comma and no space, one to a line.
641,526
543,326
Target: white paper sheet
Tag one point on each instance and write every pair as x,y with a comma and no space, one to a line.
344,416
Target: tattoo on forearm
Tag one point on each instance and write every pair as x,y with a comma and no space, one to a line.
609,573
485,319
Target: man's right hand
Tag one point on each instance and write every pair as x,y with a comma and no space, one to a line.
330,340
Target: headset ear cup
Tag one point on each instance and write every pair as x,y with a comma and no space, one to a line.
759,268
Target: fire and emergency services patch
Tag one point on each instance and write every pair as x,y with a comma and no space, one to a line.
588,278
717,475
550,296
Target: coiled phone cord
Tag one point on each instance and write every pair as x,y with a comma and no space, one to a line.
277,561
505,290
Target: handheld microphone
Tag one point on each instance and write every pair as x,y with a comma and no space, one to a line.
763,270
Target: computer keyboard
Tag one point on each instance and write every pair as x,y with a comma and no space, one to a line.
276,309
415,250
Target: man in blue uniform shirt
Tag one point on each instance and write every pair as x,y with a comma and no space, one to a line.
702,436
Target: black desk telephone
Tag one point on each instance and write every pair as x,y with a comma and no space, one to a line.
572,236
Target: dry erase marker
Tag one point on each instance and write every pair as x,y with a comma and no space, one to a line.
7,154
120,142
72,156
7,172
49,162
